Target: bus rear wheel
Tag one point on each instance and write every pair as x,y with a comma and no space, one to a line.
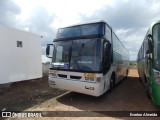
147,92
127,71
146,88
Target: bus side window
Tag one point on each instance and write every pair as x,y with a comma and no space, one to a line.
60,53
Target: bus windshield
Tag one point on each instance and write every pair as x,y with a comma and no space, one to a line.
93,29
156,38
78,55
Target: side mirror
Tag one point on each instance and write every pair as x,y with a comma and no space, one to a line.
146,56
48,50
108,52
150,43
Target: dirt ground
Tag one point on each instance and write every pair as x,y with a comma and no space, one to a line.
35,95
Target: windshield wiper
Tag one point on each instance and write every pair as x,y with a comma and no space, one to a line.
75,62
74,59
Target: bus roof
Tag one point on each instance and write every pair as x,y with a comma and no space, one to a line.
158,21
151,26
85,23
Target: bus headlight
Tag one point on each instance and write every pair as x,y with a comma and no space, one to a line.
158,80
52,75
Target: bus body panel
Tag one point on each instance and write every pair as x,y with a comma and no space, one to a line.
156,93
107,78
77,86
155,87
146,69
121,67
80,85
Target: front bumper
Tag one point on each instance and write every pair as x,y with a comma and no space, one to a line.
89,88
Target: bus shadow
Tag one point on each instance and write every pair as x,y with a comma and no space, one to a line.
128,95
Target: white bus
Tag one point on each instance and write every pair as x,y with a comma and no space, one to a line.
87,58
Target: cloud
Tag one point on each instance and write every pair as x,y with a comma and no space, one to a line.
8,12
129,19
129,13
132,39
40,22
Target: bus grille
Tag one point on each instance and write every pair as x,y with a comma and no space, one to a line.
75,77
62,75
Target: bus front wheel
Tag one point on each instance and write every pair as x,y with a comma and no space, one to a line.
112,81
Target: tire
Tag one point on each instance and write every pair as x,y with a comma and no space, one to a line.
140,79
112,81
127,71
147,92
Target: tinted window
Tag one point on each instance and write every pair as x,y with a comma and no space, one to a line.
108,33
81,30
156,38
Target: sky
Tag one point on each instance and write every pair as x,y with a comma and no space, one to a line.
130,19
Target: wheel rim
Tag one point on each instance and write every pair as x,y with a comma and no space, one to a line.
111,83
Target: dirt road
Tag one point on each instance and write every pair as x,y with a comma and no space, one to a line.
129,95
